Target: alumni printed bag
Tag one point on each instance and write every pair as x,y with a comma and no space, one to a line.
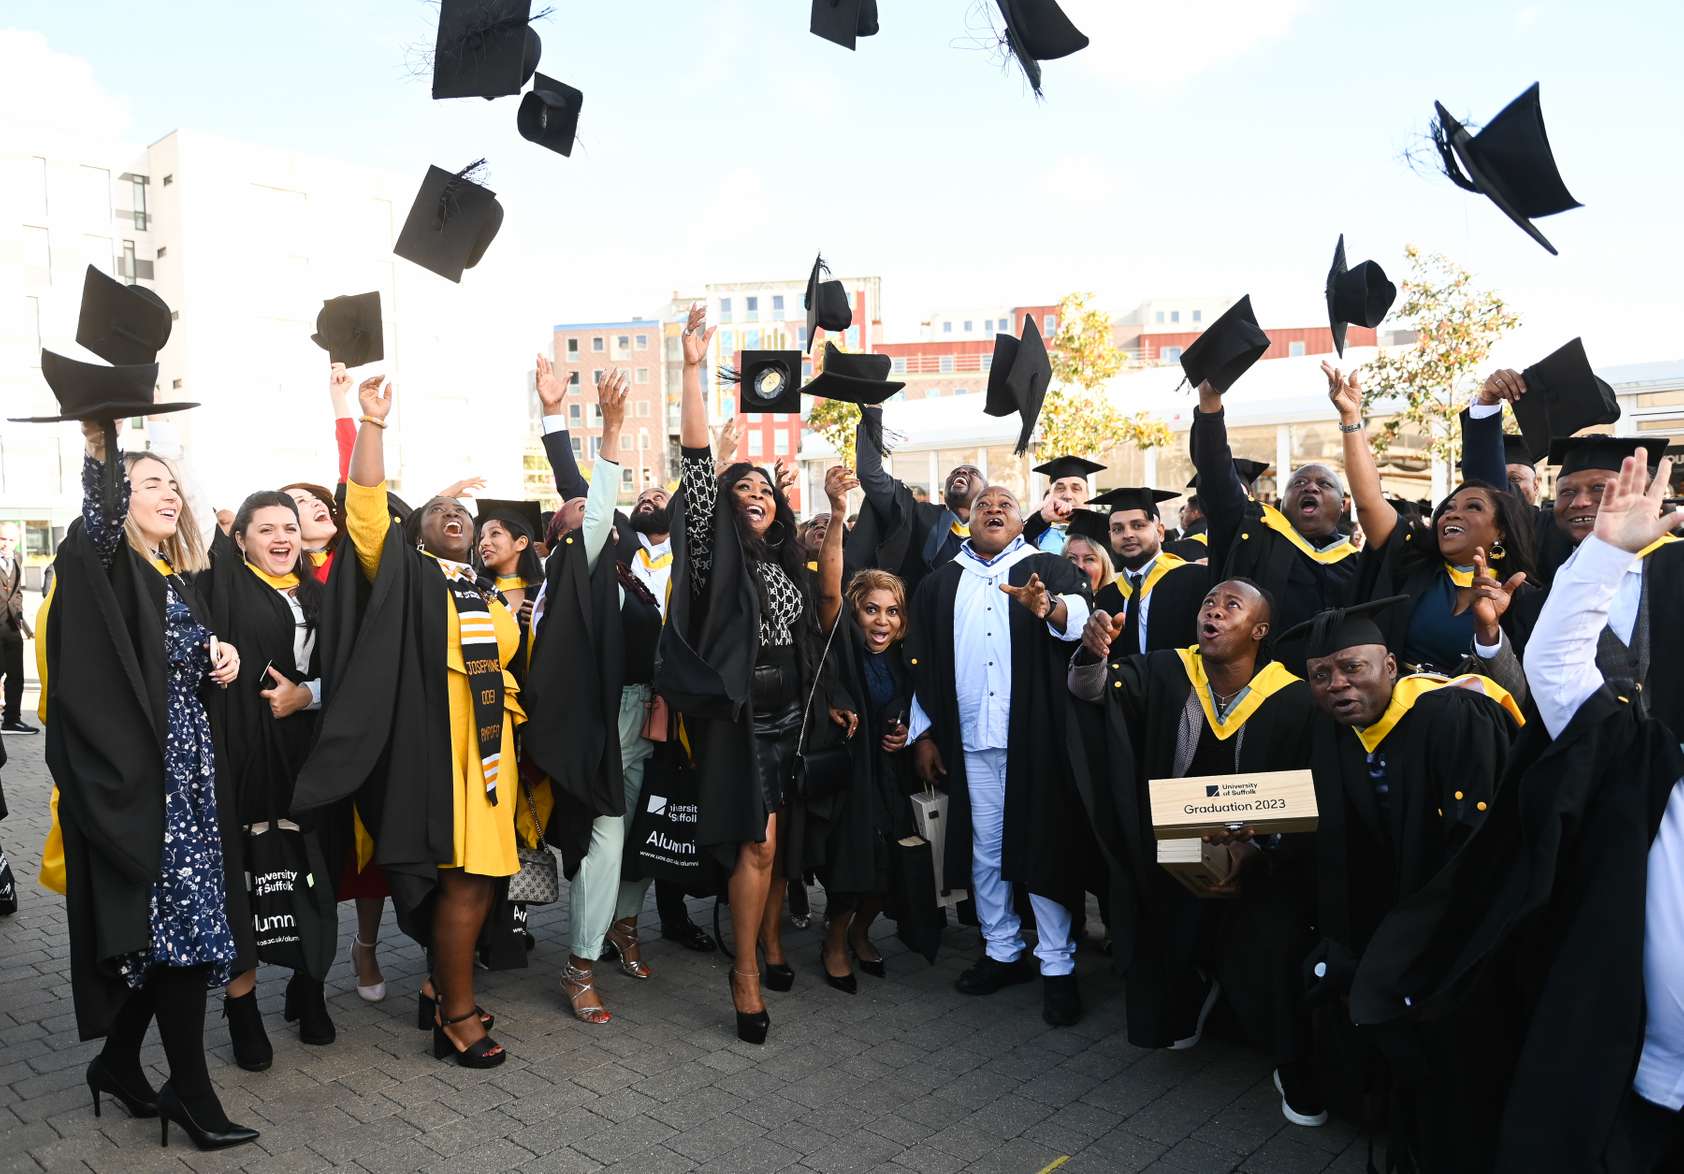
295,920
662,841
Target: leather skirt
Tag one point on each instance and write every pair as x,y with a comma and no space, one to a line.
776,695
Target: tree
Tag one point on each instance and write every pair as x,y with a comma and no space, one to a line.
836,421
1456,325
1078,418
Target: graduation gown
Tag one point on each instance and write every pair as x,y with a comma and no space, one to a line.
910,540
1045,846
1176,590
1546,904
1193,545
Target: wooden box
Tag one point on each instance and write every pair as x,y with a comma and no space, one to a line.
1269,801
1196,864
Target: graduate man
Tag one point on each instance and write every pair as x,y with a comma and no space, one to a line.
1067,488
989,639
1155,592
896,531
1405,770
1218,708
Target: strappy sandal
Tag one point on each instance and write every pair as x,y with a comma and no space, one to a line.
576,983
426,1012
484,1052
622,939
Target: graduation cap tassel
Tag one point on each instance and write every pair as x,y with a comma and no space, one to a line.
472,173
872,422
1447,156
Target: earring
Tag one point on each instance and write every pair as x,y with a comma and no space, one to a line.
1497,552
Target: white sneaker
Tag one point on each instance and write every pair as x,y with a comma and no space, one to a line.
1309,1120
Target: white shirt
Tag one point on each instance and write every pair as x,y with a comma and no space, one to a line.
599,517
654,577
1561,672
1145,601
982,646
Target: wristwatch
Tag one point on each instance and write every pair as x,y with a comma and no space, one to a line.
1347,428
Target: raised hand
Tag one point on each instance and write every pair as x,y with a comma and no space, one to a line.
1631,516
725,443
1491,598
697,335
339,389
838,481
1032,595
1345,391
1500,385
784,476
466,487
374,396
550,387
1055,510
612,388
1100,632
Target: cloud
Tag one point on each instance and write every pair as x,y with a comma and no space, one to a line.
1163,44
41,89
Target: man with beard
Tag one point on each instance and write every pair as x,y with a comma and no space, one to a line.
651,517
896,532
1067,488
988,727
1155,593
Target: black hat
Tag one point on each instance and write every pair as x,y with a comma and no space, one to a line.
122,324
1227,348
522,517
452,222
1018,379
92,391
348,328
1515,451
1037,31
1508,161
1575,454
1248,470
827,302
1134,498
485,48
768,381
1092,525
1327,632
549,114
840,21
1562,397
1361,295
1061,467
853,377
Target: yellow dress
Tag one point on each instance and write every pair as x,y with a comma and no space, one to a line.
485,834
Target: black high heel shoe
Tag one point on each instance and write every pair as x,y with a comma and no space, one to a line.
779,976
751,1029
170,1109
847,984
872,966
484,1052
252,1049
306,1004
102,1080
426,1013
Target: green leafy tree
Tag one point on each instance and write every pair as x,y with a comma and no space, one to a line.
1456,324
1078,417
837,422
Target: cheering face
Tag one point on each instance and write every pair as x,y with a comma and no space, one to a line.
499,549
1233,619
154,500
813,539
880,619
447,530
1081,552
1354,685
756,507
962,487
1313,500
995,521
1577,498
315,520
1466,522
1136,538
1523,481
272,540
652,513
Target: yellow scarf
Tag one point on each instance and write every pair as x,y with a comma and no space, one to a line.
1166,563
654,564
1202,537
960,529
317,557
1656,545
284,582
1263,686
1276,521
1411,689
512,583
1462,578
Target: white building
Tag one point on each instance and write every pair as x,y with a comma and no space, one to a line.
966,324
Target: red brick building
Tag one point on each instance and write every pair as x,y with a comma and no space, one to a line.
1284,342
585,349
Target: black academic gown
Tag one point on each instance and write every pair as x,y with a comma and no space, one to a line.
1172,620
105,750
1193,545
1160,930
1545,906
1046,847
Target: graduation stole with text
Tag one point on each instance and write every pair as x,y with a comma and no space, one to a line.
1166,563
484,665
1274,520
1412,688
1271,680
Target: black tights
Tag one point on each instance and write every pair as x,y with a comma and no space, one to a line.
175,996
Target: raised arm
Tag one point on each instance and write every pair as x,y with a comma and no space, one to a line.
611,392
1221,491
1362,475
1482,429
344,423
877,482
558,444
105,533
837,482
366,516
693,409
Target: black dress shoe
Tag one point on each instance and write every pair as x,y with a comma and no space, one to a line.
138,1099
847,984
17,727
219,1135
252,1049
691,936
779,976
1061,1002
988,976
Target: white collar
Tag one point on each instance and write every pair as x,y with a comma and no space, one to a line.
653,547
992,568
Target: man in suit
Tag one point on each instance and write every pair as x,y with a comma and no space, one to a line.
13,629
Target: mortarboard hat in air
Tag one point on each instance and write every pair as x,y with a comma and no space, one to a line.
1134,498
1037,31
485,48
1563,396
93,391
826,302
1508,161
1327,632
768,381
1018,379
1227,348
452,222
1361,295
349,329
122,324
549,114
841,21
1575,454
853,378
1059,468
1092,525
1248,470
522,517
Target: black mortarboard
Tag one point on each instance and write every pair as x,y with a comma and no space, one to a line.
1037,31
768,381
549,114
841,21
1563,396
122,324
1018,379
1508,161
1092,525
1134,498
1515,450
348,328
523,517
1575,454
827,302
1227,348
485,48
1361,295
852,377
452,222
93,391
1249,471
1061,467
1327,632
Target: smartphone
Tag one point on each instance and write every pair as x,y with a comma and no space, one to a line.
263,681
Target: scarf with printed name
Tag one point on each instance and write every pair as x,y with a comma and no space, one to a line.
484,666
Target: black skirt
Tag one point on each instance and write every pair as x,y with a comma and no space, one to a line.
777,721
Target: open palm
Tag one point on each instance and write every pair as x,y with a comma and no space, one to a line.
1631,516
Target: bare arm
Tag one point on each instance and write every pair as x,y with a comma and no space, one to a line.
837,482
1363,476
366,519
693,411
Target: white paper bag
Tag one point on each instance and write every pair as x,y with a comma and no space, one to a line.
929,815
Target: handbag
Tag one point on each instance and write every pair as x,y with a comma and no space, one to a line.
8,887
662,843
537,882
657,721
820,774
295,919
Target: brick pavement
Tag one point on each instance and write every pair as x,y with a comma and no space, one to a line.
907,1075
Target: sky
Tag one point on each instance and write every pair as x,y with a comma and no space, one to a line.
1208,149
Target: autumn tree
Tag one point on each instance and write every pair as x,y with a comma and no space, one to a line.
1078,417
836,421
1455,324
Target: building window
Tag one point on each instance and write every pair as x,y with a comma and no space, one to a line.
575,414
573,380
643,342
643,409
1049,325
597,344
777,305
625,445
596,377
572,348
1171,354
970,324
623,342
1198,315
806,370
1175,315
37,257
578,447
175,385
801,335
947,364
756,443
162,252
724,309
751,340
595,447
642,440
168,179
1160,317
643,375
1006,325
987,363
626,478
947,328
898,366
126,266
752,306
780,442
96,251
961,391
853,338
1294,349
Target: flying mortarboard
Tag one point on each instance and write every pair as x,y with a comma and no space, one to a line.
1059,468
1018,379
452,222
1227,348
1248,470
826,302
93,391
1575,454
1361,295
841,21
1037,31
768,381
1092,525
549,114
1134,498
853,378
122,324
1337,628
485,48
1508,161
1563,396
349,329
522,517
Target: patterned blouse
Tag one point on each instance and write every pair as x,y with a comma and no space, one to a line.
700,486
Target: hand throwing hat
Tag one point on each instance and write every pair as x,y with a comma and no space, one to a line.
1509,162
1361,295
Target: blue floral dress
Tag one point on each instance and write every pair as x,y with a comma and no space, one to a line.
189,907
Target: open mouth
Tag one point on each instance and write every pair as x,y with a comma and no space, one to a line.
1308,506
1209,631
1450,530
453,528
994,523
167,512
1581,521
755,513
1346,705
280,553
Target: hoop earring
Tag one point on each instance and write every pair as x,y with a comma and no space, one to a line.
779,540
1497,552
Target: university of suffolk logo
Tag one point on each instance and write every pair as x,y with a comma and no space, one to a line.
657,805
1212,790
